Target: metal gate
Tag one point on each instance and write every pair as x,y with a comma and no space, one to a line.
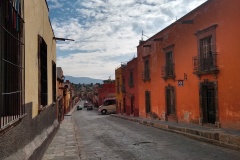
170,100
208,103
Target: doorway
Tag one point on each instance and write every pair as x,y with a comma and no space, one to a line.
132,104
208,100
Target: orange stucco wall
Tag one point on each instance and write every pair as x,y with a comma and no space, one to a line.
226,15
131,90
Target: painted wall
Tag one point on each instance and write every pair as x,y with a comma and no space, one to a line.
119,94
131,88
37,23
225,14
106,90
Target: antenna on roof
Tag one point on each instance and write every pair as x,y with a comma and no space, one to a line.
143,35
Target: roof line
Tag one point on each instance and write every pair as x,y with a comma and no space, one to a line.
179,20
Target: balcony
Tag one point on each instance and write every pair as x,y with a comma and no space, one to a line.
205,64
168,71
146,75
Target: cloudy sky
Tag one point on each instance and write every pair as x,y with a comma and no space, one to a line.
106,32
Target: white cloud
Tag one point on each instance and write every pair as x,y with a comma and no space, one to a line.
54,4
109,28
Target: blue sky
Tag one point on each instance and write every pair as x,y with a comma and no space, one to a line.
107,32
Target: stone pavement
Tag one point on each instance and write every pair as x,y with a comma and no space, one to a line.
217,136
64,145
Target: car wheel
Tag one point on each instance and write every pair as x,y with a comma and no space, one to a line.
104,111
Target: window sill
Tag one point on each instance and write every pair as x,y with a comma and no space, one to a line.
210,71
45,107
147,79
11,124
169,77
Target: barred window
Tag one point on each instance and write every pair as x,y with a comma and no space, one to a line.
206,60
148,101
12,62
54,81
168,70
42,73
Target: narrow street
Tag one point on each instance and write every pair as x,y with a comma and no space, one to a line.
109,138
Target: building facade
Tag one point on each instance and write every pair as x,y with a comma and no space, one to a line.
120,89
106,90
67,96
190,68
130,90
28,85
60,94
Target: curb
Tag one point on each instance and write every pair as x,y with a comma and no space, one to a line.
217,138
72,110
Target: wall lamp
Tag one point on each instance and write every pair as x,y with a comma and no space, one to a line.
62,39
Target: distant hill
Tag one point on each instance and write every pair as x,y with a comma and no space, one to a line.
85,80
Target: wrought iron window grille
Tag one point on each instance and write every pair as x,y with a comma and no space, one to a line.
12,99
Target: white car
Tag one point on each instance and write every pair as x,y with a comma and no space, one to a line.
109,106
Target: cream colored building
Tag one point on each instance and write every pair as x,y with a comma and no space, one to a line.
38,28
28,79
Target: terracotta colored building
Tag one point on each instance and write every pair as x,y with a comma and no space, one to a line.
106,90
190,69
60,93
130,90
67,96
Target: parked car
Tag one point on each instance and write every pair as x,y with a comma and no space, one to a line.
90,107
80,107
109,106
85,105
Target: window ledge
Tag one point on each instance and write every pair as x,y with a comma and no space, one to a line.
210,71
11,124
169,77
45,107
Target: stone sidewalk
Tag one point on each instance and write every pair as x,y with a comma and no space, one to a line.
217,136
64,145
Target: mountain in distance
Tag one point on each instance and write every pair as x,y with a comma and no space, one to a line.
85,80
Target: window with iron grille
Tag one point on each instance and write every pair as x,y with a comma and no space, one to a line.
131,84
42,74
148,101
54,81
123,86
206,60
12,62
146,72
206,55
118,85
168,70
170,100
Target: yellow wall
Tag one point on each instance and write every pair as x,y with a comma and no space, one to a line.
118,77
67,101
37,23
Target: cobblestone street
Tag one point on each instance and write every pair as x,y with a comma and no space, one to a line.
87,135
107,137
